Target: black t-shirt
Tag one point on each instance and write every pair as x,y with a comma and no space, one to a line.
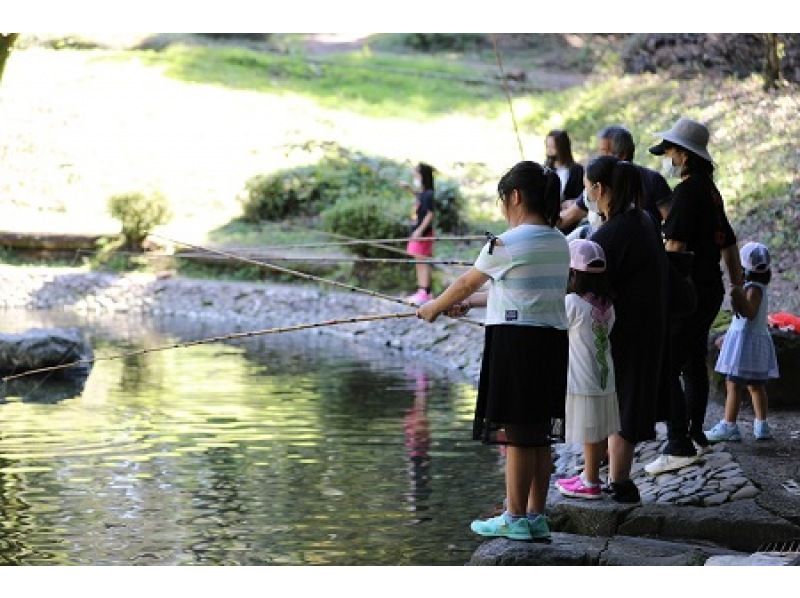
654,190
697,218
574,186
424,204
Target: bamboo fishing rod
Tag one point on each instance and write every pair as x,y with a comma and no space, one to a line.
299,274
508,94
298,259
354,241
212,339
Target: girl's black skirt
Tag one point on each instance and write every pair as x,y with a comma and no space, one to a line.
522,387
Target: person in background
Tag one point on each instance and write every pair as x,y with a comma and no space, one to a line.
617,141
747,356
558,148
419,246
697,224
523,376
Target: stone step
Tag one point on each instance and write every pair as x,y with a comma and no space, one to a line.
573,549
741,525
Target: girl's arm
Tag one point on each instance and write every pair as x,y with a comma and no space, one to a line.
730,255
426,220
746,302
464,286
407,187
460,309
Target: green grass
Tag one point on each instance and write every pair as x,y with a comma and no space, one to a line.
752,132
753,135
375,85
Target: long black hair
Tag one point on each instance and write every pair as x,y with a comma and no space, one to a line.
761,277
563,149
539,187
426,174
596,283
623,178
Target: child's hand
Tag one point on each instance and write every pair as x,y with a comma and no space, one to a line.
428,312
719,340
458,310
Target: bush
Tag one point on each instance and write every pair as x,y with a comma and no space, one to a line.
139,214
366,218
307,190
433,42
448,203
343,175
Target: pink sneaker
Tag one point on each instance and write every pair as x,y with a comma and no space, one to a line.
419,298
568,482
577,489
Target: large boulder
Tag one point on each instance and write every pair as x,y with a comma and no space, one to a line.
38,348
783,392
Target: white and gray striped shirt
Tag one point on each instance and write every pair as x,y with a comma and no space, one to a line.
529,277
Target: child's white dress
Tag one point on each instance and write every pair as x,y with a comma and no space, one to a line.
748,353
592,411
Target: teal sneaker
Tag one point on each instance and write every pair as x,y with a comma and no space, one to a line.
761,430
540,529
724,432
501,527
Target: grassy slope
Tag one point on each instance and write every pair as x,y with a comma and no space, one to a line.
253,106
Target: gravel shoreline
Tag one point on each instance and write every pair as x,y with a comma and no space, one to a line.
450,344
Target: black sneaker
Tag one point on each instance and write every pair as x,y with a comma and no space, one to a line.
625,492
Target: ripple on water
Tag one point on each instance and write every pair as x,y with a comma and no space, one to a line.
292,452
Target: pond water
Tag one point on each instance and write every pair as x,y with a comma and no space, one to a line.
290,449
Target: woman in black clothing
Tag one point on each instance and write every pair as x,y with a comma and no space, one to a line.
559,157
637,271
696,223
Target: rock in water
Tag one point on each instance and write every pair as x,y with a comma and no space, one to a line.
38,348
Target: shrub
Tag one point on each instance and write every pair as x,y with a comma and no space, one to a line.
342,175
433,42
139,214
365,218
447,205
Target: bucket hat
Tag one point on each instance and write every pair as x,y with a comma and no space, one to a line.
687,133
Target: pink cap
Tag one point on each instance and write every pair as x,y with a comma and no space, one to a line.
755,257
583,252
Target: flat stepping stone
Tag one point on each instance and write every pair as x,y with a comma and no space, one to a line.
574,549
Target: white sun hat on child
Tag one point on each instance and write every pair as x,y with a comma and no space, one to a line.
755,257
583,252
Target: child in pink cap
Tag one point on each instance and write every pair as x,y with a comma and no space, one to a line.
592,411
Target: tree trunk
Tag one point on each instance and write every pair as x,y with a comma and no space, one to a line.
6,41
772,63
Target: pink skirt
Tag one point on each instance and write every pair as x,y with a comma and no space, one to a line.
420,248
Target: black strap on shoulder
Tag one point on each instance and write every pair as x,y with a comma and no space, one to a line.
492,241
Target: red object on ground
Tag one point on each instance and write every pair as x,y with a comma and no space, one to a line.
785,321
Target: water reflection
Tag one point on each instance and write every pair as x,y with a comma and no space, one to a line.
45,388
293,449
418,440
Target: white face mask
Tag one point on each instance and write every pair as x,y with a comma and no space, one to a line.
591,204
669,169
